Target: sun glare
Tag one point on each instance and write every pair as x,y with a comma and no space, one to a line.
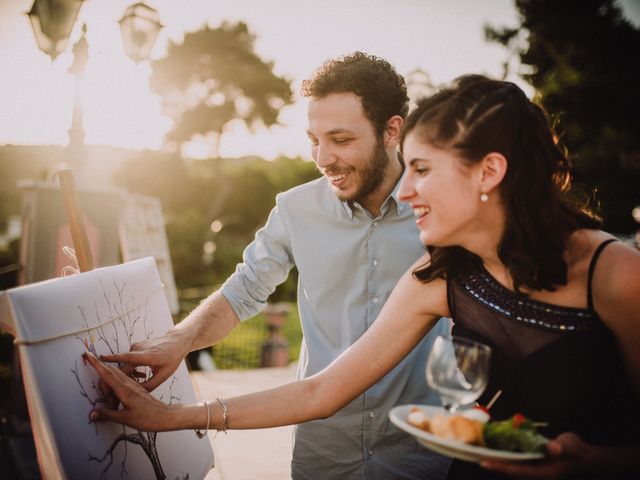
200,147
239,141
287,138
119,108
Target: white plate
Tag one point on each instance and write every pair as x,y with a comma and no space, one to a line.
451,448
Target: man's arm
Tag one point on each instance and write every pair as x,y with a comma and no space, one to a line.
207,324
266,264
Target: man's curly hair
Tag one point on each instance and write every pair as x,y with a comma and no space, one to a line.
382,90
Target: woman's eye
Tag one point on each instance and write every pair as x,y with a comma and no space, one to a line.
421,170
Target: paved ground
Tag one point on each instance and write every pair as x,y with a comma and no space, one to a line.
247,454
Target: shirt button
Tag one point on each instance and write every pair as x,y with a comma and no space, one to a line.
375,263
375,300
370,452
372,414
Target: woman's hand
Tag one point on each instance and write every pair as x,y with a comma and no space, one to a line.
567,455
140,410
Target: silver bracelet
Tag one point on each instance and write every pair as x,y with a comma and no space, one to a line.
225,415
199,432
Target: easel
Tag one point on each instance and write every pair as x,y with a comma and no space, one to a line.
79,235
22,447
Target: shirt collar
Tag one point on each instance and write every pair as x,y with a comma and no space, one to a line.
387,204
400,205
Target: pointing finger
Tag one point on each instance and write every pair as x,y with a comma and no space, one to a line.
113,377
131,358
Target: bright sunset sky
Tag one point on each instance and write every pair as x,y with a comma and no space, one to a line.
443,37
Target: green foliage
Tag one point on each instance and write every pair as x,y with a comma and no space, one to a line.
214,76
580,55
243,346
239,193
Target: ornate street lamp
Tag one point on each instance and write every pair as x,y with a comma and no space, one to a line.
139,26
52,21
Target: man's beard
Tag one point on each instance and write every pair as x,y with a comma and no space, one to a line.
371,176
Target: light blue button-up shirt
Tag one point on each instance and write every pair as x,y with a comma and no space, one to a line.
348,263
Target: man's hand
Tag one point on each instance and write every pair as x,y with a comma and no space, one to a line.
567,455
162,355
207,324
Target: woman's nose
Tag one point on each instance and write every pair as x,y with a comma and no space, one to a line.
406,191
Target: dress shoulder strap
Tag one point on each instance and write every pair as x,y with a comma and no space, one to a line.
592,267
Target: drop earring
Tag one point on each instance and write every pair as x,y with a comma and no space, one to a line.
484,197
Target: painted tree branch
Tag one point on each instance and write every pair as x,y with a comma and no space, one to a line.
127,317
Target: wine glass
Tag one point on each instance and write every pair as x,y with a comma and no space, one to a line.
458,369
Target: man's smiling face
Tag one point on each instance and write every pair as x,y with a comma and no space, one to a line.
345,146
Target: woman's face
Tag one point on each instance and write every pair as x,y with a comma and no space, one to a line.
443,192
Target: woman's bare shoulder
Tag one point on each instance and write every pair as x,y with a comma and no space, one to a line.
427,298
585,241
580,248
615,282
618,269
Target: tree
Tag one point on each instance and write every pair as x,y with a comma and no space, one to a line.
109,338
579,55
213,77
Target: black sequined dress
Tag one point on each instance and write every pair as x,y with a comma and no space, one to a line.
553,364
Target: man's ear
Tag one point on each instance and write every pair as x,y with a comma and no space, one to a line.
392,132
493,169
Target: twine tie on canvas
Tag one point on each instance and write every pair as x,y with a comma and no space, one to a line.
20,342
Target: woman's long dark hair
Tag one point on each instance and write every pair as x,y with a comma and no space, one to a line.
477,116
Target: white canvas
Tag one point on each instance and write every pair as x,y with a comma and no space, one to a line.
104,310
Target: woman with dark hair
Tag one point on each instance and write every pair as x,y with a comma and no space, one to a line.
515,264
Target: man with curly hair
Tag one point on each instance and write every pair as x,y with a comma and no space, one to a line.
351,239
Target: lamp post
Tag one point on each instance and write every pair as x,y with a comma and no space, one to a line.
139,26
76,132
52,22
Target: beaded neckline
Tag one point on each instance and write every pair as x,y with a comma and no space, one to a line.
477,282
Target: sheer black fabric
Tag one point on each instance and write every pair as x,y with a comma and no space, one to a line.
553,364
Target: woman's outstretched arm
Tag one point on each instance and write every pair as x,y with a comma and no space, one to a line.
410,312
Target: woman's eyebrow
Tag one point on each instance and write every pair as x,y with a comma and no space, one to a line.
418,159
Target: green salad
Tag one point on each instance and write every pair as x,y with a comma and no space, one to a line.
516,434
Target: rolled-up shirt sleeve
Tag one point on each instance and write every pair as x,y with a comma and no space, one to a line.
266,263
